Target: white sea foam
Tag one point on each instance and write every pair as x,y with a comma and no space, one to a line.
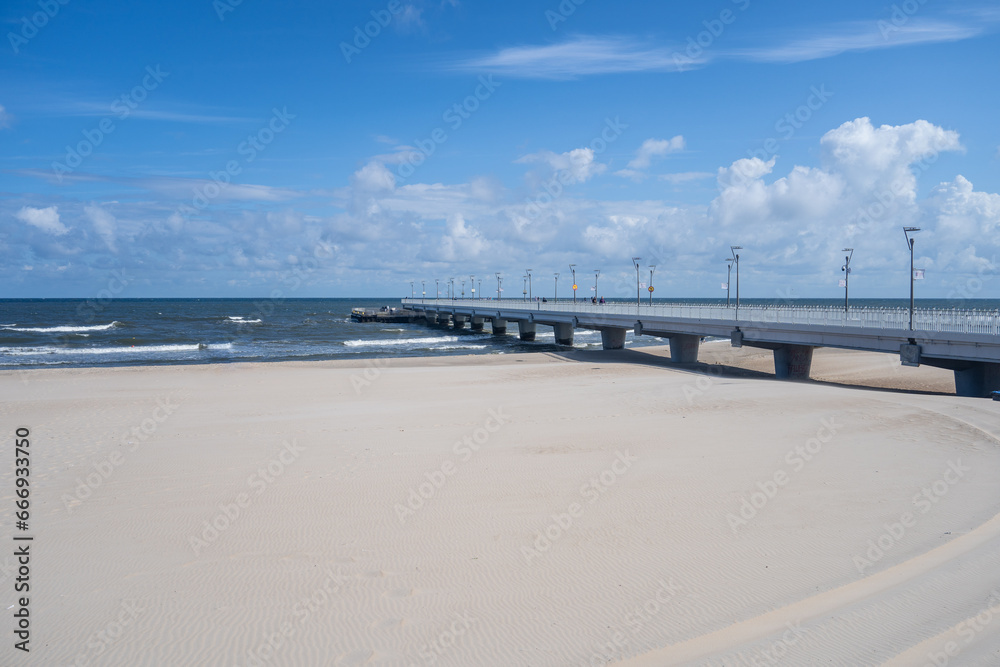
240,320
141,349
400,341
62,329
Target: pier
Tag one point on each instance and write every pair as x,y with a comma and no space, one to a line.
386,315
966,342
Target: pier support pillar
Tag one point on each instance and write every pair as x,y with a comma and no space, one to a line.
564,333
684,348
444,320
613,338
458,321
793,362
526,330
476,324
978,380
499,327
431,318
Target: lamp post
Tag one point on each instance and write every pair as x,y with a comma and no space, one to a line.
437,289
524,287
528,273
846,268
652,267
480,292
597,272
472,286
452,281
909,242
411,289
423,289
638,298
736,258
729,277
499,280
463,288
572,268
555,293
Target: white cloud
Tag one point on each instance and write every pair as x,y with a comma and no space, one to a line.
45,219
461,243
862,36
5,117
576,166
793,220
373,176
104,224
580,56
655,148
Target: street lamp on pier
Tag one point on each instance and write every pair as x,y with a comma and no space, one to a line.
555,294
437,289
909,242
846,268
472,286
572,268
729,276
597,272
638,298
736,259
499,289
411,289
528,273
652,267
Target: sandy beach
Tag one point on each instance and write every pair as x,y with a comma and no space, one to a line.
543,509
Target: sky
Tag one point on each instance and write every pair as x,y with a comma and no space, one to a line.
247,148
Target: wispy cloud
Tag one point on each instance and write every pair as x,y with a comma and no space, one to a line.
5,117
580,56
589,55
861,36
89,108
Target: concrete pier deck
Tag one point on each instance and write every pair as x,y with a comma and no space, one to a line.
966,342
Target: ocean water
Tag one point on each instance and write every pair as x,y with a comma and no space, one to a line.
124,332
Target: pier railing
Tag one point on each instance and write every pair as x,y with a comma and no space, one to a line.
951,320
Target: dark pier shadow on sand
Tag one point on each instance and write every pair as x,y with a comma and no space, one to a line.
641,358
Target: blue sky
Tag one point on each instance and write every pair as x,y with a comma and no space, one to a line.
252,148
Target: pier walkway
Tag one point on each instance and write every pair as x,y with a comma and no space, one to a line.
964,341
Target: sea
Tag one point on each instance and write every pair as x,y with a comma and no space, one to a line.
141,332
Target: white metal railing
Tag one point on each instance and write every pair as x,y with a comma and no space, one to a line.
951,320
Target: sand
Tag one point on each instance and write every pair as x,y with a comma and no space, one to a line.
544,509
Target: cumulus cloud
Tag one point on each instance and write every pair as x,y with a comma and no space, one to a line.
373,177
45,219
792,219
654,148
575,166
5,117
104,224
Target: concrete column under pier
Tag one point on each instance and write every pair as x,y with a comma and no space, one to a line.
444,319
978,380
459,321
476,324
564,334
431,318
613,338
793,362
684,348
499,327
526,330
